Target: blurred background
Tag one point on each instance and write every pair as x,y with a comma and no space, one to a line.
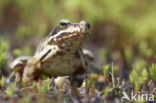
123,31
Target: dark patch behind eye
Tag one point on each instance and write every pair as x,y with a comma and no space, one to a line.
55,31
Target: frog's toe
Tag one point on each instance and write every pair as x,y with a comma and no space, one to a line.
26,82
11,75
18,78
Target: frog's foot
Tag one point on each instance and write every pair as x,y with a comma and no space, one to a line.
28,78
26,81
31,72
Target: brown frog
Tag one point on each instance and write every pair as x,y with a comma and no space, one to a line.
60,54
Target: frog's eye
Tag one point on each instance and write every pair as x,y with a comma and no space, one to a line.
63,25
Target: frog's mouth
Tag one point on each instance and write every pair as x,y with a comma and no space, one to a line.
75,30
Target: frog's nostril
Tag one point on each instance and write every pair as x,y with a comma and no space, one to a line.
88,25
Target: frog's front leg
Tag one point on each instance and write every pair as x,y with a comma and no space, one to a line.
12,75
33,69
17,75
31,72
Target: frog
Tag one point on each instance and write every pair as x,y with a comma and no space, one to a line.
59,54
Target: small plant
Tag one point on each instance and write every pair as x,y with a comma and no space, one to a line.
3,81
106,73
16,52
42,92
153,72
11,90
4,45
48,84
106,93
115,69
93,79
88,84
35,90
138,77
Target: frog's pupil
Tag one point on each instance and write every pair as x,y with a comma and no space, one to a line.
63,23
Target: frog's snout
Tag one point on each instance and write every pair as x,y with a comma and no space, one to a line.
87,26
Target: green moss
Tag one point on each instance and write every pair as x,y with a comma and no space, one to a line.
138,78
4,46
153,72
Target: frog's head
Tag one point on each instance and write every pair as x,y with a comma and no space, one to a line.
67,33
